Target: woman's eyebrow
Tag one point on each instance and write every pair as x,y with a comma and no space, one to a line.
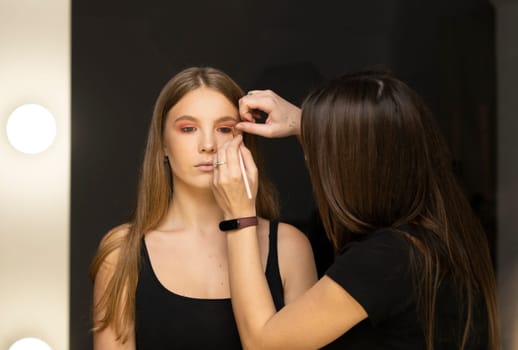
185,117
227,118
194,119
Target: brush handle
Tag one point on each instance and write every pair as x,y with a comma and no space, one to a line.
245,178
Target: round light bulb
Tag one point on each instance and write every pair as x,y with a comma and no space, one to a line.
31,128
30,344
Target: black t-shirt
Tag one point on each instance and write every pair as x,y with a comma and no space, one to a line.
375,270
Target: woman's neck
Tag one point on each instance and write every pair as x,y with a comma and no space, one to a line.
192,209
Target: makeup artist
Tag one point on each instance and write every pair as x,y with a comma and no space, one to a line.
412,267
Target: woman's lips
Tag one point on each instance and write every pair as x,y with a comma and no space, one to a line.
205,166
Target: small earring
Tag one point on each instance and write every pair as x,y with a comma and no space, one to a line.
166,159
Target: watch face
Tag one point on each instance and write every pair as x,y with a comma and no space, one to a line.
234,224
229,225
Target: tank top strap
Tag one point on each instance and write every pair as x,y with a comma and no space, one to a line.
273,274
146,274
144,255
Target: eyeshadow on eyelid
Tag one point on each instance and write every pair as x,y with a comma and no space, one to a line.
183,125
185,121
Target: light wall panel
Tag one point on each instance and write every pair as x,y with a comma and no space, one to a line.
35,189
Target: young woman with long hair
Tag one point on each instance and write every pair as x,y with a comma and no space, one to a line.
161,280
412,267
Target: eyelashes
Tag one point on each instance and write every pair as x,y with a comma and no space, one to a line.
187,129
224,129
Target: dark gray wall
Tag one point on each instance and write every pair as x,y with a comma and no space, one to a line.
507,170
124,51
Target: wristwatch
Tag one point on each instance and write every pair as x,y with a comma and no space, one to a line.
236,224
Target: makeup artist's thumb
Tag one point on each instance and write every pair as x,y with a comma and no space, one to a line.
237,140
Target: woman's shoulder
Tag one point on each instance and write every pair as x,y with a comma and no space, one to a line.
293,245
110,245
118,232
403,237
290,236
115,236
380,249
396,235
287,234
296,261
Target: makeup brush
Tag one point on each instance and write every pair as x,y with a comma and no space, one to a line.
243,171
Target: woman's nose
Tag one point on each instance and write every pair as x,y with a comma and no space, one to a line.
208,143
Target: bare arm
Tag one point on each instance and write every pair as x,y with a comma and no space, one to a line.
316,318
312,320
296,262
106,339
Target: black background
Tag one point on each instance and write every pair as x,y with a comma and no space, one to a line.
123,52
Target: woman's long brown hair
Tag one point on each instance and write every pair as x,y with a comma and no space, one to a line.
153,198
378,160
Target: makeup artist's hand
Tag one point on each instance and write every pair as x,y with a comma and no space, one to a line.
283,117
228,185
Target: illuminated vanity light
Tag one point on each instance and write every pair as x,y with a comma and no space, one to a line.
30,344
31,128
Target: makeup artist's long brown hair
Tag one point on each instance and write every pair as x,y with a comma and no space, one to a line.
153,198
378,160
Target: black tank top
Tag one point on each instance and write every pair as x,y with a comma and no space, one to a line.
165,320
